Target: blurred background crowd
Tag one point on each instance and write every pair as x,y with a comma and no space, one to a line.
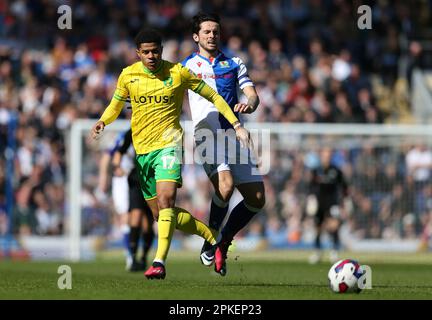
309,61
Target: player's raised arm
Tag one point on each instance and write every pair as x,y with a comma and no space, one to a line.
204,90
114,108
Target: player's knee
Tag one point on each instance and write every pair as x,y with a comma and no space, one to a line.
166,202
226,190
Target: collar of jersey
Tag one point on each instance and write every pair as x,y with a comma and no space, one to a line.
217,58
148,71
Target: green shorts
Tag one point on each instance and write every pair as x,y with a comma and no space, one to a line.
159,165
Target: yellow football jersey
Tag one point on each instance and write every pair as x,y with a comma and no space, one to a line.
156,99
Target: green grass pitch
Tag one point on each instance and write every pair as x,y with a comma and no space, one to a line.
272,275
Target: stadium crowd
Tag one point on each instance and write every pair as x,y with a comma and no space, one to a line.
308,59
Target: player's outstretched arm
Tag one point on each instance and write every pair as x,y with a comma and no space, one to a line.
242,134
252,103
111,112
97,129
114,108
204,90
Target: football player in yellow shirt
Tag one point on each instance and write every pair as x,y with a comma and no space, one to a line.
156,88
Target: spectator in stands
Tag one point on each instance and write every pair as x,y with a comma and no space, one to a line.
310,71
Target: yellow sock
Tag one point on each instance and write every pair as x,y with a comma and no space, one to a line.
188,224
166,226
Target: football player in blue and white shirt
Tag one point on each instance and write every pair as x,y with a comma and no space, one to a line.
225,170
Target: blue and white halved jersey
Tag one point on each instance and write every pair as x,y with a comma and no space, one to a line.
225,75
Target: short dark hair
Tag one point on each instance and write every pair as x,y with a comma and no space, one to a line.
201,17
148,36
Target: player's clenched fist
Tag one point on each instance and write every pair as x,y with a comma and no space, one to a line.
97,129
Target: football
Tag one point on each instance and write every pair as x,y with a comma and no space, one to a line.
343,276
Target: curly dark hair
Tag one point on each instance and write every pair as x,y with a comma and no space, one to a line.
148,36
201,17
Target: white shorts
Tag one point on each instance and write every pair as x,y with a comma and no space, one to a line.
120,194
230,156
